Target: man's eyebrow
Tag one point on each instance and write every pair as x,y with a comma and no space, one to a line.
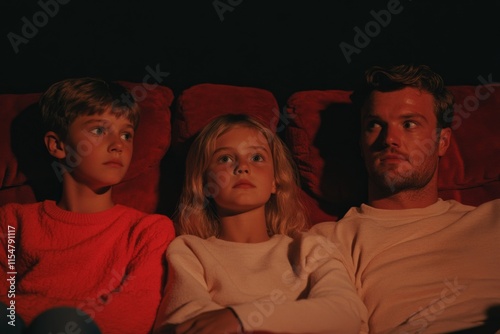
414,115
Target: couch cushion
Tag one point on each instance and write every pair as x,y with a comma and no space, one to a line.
25,172
323,136
201,103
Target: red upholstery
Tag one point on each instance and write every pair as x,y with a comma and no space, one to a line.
324,141
25,172
199,104
321,132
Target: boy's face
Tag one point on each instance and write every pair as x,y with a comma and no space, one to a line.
99,149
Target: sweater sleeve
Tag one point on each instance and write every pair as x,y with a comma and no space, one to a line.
131,306
186,293
8,241
331,306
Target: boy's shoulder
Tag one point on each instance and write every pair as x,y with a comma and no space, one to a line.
147,220
19,208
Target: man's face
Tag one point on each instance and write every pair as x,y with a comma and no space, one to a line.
399,140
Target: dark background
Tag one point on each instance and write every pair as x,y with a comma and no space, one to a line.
282,46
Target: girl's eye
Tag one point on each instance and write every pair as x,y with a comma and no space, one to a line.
257,158
225,159
98,131
409,124
127,136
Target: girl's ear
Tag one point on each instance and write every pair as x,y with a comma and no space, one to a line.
273,187
54,145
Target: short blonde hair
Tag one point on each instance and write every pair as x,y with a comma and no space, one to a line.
285,213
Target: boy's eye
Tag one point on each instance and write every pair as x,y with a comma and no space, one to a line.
127,136
98,131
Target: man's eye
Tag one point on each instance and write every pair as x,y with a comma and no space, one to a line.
98,131
372,125
409,124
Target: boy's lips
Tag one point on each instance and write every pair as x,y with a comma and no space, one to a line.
114,163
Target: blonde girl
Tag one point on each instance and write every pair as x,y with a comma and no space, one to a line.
242,262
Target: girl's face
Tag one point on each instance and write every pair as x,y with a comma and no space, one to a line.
240,176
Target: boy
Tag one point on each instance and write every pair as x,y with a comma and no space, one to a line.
103,260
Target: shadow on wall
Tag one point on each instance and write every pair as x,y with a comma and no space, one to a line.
344,178
32,156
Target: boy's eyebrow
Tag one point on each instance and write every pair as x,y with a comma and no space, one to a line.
105,122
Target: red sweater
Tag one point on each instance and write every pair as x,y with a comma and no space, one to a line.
108,264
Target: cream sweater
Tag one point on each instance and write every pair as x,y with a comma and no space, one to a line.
431,270
277,285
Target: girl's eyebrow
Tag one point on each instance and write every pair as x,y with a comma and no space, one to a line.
254,147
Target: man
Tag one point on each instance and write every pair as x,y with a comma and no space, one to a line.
420,264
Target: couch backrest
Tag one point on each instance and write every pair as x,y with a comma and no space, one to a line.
323,136
25,171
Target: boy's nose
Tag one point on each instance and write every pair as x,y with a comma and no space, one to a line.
115,144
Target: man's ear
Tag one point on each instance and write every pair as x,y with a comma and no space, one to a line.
54,145
444,141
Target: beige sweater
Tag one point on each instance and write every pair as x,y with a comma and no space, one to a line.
310,293
431,270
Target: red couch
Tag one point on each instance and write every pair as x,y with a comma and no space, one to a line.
318,126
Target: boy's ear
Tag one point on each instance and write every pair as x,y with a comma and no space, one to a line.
54,145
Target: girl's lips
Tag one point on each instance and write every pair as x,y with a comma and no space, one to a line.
243,184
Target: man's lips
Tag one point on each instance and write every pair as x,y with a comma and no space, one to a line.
391,157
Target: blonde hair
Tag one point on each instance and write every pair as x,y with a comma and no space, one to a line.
285,213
